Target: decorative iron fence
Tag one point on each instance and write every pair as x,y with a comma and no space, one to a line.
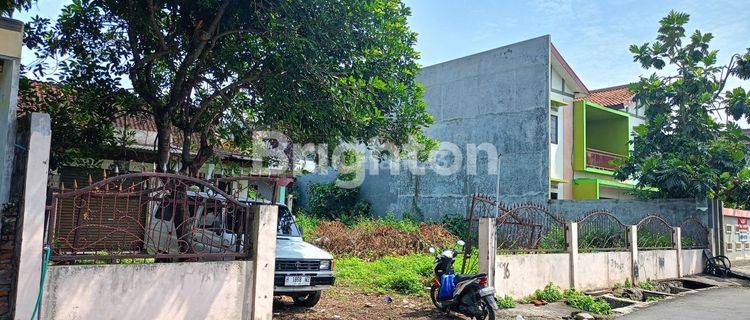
694,234
601,231
654,233
529,227
147,216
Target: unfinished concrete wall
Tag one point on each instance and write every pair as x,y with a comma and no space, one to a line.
191,290
630,211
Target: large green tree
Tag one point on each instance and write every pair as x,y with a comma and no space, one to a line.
682,150
315,70
8,7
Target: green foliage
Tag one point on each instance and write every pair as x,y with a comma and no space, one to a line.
550,293
646,284
219,71
654,298
681,150
650,239
327,201
628,283
587,303
554,240
404,275
457,225
592,238
7,7
308,224
506,302
80,129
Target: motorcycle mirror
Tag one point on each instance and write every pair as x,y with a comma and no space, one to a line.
460,243
432,250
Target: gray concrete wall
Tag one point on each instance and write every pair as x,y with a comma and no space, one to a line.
191,290
630,211
500,97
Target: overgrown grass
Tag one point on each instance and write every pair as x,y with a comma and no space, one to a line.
586,302
646,284
403,275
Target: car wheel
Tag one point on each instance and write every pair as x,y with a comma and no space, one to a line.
308,300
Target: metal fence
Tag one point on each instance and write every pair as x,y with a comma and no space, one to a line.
601,230
694,234
530,227
654,233
147,217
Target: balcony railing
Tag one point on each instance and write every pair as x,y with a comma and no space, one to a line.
598,159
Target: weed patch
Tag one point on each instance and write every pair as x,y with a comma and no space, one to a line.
550,293
580,300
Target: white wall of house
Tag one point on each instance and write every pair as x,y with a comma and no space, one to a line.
561,152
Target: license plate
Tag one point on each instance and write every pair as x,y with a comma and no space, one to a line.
297,281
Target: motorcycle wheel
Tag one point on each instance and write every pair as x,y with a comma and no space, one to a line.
487,312
434,292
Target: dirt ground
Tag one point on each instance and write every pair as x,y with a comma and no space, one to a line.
347,303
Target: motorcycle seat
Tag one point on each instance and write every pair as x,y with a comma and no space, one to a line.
464,277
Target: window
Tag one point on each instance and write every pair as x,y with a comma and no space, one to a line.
553,129
286,225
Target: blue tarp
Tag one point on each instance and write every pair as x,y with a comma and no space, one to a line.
447,283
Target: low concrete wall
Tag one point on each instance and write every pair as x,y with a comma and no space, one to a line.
657,264
692,261
193,290
601,270
520,275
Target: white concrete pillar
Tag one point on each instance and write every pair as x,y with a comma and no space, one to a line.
677,245
289,202
712,240
487,248
571,240
31,220
633,242
264,261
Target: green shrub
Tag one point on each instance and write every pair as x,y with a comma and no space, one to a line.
649,239
554,240
458,226
601,238
327,201
647,284
550,293
628,284
585,302
506,302
308,224
654,298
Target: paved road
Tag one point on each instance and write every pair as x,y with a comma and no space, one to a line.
726,303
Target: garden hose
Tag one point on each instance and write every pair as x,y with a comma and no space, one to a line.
45,264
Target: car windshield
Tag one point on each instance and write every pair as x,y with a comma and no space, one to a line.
286,225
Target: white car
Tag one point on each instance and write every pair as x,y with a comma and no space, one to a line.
303,270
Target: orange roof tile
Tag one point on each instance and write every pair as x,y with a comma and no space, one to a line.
613,97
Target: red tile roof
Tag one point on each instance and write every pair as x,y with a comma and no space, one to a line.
612,97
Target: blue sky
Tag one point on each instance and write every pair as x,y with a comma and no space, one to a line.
593,36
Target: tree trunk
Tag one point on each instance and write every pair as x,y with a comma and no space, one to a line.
163,142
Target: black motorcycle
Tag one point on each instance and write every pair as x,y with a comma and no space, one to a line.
467,294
